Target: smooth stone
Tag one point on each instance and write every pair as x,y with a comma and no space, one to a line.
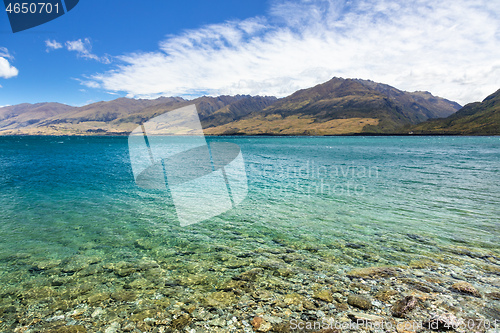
70,329
324,295
294,299
465,288
97,312
361,302
128,327
113,328
338,297
220,322
97,298
265,326
56,318
404,306
77,312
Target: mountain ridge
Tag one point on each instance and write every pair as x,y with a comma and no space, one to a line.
322,110
336,107
478,118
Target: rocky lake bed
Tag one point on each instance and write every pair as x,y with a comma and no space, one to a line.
280,288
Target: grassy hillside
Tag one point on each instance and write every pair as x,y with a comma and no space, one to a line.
473,119
337,107
373,107
116,117
23,115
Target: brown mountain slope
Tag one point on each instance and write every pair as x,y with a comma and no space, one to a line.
339,106
321,110
22,115
118,116
473,119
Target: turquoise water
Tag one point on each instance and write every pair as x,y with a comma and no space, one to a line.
344,201
58,193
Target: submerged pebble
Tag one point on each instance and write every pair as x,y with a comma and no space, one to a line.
203,293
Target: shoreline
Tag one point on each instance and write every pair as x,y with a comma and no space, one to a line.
266,135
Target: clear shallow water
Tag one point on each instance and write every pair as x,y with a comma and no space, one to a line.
342,201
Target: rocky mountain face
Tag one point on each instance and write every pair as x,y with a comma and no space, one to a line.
116,117
339,106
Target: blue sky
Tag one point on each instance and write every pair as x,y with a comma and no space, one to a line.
102,50
112,28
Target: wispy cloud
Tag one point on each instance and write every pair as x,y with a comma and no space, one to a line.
84,50
444,47
6,69
4,53
52,45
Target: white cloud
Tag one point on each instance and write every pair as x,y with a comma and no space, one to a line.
444,47
52,45
4,53
84,50
6,69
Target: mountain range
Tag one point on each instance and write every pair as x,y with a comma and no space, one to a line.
337,107
480,118
116,117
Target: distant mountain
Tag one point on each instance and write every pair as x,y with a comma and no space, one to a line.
23,115
480,118
339,106
116,117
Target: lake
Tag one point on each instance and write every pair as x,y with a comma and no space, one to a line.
75,225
